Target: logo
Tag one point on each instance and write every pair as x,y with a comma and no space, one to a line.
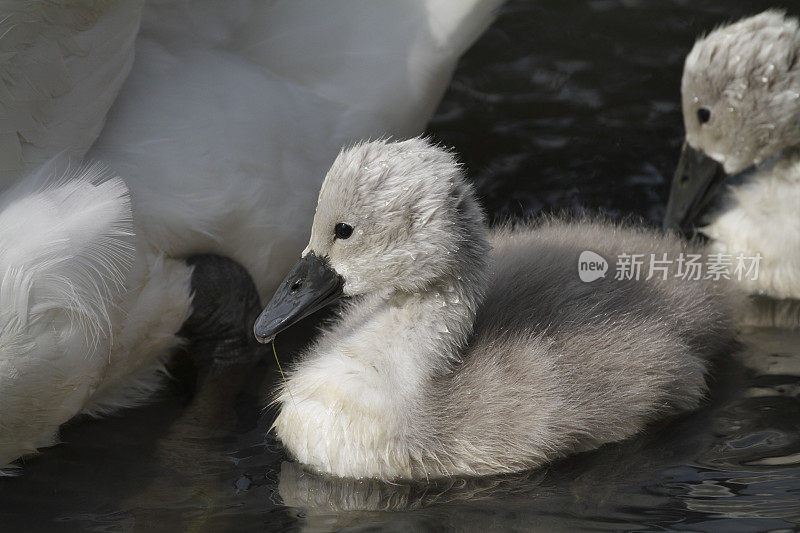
591,266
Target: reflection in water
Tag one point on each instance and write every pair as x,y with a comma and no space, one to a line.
769,313
586,483
755,471
563,104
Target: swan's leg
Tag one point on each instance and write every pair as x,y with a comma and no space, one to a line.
223,348
225,306
220,339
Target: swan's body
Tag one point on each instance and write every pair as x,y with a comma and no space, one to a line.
454,360
741,107
61,67
88,315
224,131
220,134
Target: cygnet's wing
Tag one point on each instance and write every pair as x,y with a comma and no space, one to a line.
536,285
61,66
233,112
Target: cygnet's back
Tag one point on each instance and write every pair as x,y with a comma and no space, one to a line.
576,364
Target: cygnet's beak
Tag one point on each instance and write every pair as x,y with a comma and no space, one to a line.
311,285
695,182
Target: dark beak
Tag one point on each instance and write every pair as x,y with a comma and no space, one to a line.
695,182
311,285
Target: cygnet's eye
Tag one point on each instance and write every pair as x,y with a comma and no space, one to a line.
703,115
343,230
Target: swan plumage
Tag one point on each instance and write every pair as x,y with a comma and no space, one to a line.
216,142
741,107
191,131
61,67
75,336
469,351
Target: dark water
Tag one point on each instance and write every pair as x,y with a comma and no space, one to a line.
561,106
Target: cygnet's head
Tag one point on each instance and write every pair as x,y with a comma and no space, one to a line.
741,103
741,90
391,217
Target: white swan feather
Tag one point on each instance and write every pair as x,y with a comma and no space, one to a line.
61,67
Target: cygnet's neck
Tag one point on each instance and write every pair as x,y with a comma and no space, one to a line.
425,333
441,318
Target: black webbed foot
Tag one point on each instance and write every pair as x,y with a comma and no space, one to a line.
224,353
225,306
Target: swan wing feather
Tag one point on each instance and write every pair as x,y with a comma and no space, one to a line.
65,251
